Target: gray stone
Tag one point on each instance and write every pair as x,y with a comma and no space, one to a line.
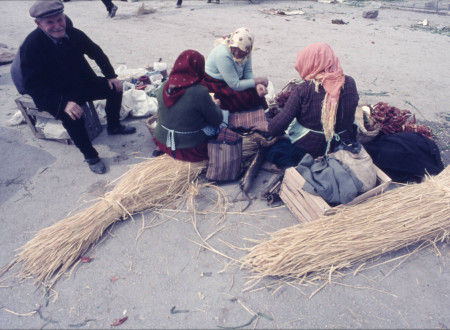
370,14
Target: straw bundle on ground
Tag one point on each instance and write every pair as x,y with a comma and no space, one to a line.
155,183
385,223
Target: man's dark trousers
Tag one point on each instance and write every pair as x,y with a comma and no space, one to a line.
98,90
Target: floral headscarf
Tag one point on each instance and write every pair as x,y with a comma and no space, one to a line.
188,70
243,39
318,63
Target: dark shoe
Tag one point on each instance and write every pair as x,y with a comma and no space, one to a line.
112,12
122,129
157,153
209,1
96,165
218,1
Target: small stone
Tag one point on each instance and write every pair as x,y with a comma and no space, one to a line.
370,14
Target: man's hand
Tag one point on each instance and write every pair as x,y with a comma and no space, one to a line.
261,90
116,84
216,101
262,126
73,110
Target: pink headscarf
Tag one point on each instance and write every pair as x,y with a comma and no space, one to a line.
318,63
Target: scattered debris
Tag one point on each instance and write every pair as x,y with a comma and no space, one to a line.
254,317
283,12
119,321
338,21
82,324
176,311
115,278
425,26
144,11
207,274
86,259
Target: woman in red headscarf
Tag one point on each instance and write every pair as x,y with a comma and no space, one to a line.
185,108
321,110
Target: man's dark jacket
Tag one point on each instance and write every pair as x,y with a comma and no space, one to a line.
54,74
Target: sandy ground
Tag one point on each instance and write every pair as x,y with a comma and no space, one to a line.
162,279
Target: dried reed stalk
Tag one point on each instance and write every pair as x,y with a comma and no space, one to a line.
251,144
387,222
155,183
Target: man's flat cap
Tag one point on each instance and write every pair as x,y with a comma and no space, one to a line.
44,8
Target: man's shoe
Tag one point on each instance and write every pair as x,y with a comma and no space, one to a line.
122,129
112,12
96,165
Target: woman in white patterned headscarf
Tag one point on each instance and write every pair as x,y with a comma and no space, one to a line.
229,73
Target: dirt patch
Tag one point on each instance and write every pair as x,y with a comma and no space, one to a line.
441,131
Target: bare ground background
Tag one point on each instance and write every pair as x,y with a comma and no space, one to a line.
392,58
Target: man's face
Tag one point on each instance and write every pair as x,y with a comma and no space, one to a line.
53,25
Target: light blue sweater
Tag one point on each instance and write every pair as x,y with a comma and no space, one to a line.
220,65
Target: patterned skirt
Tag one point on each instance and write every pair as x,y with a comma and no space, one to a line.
232,100
193,155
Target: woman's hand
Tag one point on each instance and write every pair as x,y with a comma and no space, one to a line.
261,80
261,90
216,101
262,126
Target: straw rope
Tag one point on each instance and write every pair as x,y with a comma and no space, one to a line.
385,223
155,183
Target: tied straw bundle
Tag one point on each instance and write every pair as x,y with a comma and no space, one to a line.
352,234
155,183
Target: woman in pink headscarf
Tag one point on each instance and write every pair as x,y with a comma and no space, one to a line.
321,110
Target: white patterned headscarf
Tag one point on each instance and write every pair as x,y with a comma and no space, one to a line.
243,39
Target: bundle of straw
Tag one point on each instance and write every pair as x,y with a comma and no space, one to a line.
155,183
387,222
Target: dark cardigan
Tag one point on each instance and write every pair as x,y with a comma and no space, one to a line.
305,105
54,75
192,112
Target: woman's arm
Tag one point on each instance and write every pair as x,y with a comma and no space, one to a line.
279,123
210,110
228,69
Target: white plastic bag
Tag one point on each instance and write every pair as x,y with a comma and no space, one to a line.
100,108
125,74
138,103
52,128
16,119
270,92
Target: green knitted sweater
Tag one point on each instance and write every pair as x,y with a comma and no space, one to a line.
192,112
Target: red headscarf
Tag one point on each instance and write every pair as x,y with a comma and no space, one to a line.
188,70
318,63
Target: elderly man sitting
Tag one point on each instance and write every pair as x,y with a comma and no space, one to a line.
56,74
